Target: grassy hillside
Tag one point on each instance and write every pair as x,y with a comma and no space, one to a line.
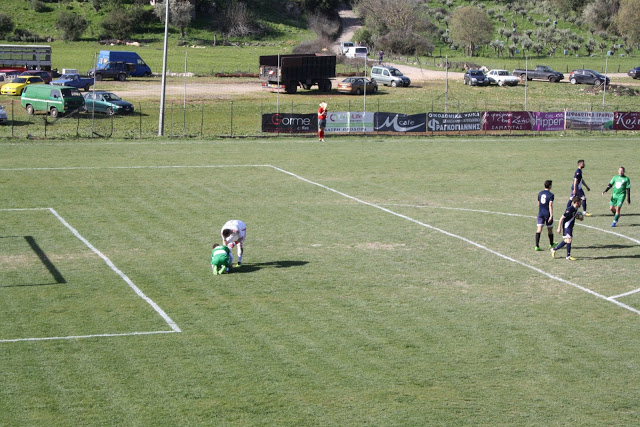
284,31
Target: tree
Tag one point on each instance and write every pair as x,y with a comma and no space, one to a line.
628,20
471,26
590,46
6,25
402,29
118,23
236,20
72,25
180,13
600,14
567,6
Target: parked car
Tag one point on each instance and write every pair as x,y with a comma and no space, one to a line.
541,72
3,115
357,85
74,80
475,78
112,70
45,75
106,102
587,77
502,78
389,76
19,83
55,100
635,73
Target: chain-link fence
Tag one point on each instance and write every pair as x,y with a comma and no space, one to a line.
225,118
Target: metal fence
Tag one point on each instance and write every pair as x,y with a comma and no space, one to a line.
225,118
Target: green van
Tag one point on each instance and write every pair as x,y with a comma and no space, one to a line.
53,99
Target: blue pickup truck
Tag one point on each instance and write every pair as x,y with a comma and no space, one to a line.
74,80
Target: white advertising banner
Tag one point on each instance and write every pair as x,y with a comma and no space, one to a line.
349,122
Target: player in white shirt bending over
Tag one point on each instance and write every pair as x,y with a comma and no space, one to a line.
233,234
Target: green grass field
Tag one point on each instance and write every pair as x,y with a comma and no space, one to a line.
386,281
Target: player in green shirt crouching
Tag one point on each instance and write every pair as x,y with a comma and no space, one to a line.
221,259
621,189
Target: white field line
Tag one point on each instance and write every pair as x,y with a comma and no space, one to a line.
174,327
508,258
75,337
529,216
511,214
611,299
73,168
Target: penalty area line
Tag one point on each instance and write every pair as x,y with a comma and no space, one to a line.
174,327
478,245
75,337
515,215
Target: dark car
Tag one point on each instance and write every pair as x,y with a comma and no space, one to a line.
589,77
44,75
635,73
356,85
476,78
106,102
112,70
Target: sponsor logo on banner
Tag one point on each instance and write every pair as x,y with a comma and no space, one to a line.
343,121
549,121
589,120
446,122
626,121
508,120
394,122
289,123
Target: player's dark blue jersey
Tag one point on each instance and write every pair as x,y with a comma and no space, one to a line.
569,217
578,176
544,198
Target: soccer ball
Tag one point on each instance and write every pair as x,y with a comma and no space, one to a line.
580,215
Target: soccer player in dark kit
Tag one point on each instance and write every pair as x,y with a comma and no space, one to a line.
566,227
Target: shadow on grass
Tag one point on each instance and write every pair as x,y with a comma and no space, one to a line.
249,268
606,247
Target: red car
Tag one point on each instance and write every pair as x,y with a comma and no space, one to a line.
45,75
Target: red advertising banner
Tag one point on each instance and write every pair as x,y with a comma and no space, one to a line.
508,120
626,121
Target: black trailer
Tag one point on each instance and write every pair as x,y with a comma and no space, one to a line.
304,70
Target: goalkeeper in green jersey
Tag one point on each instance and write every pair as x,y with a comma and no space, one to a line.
221,259
621,189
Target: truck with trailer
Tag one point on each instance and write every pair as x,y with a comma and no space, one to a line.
542,72
288,72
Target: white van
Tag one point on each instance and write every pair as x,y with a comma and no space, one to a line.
357,52
343,46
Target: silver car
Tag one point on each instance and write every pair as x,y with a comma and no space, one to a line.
389,76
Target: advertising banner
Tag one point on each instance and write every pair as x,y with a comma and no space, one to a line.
446,122
508,120
589,120
626,121
394,122
349,122
289,123
549,121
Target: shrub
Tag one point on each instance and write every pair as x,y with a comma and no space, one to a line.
38,6
118,23
72,25
6,25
